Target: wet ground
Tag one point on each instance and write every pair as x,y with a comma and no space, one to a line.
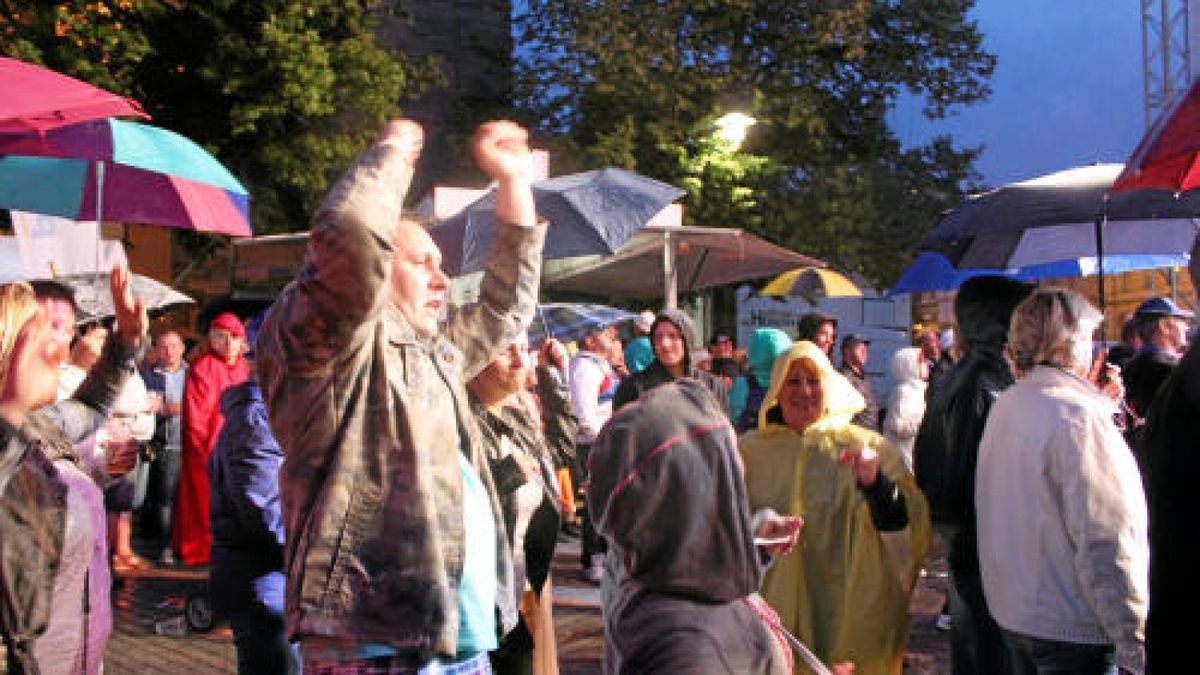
152,595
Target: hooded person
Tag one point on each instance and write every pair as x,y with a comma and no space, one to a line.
906,402
219,368
747,392
674,339
845,591
947,450
667,493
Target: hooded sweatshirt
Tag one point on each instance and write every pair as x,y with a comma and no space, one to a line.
634,386
766,344
667,493
906,403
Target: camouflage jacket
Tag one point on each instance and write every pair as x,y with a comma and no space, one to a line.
371,420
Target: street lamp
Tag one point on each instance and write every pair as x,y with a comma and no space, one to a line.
731,128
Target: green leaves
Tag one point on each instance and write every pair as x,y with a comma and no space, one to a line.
638,84
285,92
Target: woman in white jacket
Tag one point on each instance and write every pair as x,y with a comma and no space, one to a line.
1062,518
906,403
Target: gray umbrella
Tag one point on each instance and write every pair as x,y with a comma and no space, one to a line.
594,212
95,301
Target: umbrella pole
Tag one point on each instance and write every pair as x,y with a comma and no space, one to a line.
670,275
1100,220
99,227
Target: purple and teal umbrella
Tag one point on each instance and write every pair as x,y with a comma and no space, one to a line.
136,173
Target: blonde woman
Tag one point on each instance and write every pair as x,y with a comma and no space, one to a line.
54,578
844,591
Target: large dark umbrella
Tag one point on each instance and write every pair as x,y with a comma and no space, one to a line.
594,212
1055,218
1064,216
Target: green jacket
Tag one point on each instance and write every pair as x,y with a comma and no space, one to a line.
370,420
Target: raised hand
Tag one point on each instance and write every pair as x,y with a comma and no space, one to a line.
132,322
501,150
406,135
864,462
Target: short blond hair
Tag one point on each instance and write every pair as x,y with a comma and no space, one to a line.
1048,327
18,304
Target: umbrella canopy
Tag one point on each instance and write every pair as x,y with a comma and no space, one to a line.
934,272
94,299
1167,155
811,282
142,174
37,99
704,257
1054,218
594,212
570,322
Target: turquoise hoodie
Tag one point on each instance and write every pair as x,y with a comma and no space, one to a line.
766,344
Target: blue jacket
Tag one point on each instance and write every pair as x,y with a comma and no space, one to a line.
244,507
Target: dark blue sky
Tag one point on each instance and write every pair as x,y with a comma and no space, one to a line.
1067,89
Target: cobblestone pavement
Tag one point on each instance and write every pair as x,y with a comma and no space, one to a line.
152,595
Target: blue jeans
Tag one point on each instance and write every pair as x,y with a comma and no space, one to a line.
1035,656
165,481
260,636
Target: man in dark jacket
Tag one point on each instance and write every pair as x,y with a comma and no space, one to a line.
946,452
1162,326
1172,443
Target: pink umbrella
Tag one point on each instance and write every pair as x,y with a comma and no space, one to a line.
36,99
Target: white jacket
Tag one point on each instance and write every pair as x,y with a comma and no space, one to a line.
906,403
1063,546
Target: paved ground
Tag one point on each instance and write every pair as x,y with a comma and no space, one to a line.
153,595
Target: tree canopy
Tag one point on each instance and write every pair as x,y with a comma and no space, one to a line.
640,83
284,92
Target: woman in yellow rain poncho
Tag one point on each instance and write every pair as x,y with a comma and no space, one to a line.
844,590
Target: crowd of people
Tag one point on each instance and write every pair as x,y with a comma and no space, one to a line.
378,480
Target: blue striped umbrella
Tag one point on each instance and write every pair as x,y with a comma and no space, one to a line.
571,322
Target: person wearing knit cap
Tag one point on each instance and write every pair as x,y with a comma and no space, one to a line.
219,368
673,336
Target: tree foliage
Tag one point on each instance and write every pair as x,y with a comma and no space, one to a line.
284,92
639,84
